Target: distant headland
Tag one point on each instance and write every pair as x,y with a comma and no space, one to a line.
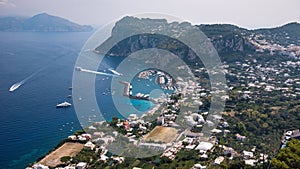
41,23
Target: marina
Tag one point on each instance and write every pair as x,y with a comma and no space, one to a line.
161,78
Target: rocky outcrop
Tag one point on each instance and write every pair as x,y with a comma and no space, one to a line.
228,38
232,44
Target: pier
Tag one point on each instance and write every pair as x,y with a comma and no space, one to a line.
127,88
127,92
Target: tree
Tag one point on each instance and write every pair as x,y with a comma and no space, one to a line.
279,164
241,128
114,121
288,157
79,132
65,159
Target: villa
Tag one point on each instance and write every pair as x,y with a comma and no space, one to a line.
203,147
240,137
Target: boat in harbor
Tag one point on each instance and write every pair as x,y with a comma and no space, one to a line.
64,104
139,96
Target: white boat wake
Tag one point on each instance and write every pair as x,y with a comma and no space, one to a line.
94,72
19,84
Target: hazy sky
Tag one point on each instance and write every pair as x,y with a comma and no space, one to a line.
244,13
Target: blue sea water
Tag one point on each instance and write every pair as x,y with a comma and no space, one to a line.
30,124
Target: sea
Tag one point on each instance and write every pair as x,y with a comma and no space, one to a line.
30,123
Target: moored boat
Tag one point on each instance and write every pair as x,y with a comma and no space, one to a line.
64,104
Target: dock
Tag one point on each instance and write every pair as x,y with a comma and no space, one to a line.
127,92
127,88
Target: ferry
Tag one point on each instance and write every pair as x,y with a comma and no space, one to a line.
64,104
115,72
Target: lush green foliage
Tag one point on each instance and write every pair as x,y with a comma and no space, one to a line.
65,159
288,157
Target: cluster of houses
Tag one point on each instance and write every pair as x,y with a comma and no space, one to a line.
262,45
133,125
169,113
251,159
81,137
173,150
191,140
288,135
81,165
260,78
90,143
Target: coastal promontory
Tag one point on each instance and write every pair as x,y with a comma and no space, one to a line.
41,23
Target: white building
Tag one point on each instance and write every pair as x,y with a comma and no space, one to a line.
81,165
247,154
250,162
199,166
204,146
90,145
72,137
39,166
219,160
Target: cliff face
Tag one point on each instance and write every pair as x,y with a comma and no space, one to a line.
234,43
225,39
130,44
230,41
41,23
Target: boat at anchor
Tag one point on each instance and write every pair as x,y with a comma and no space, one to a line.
64,104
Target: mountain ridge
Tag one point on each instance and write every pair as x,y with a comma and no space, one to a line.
42,22
227,39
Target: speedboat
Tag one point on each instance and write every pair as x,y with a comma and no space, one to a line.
115,72
14,87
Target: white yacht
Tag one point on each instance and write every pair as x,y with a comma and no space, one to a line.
64,104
